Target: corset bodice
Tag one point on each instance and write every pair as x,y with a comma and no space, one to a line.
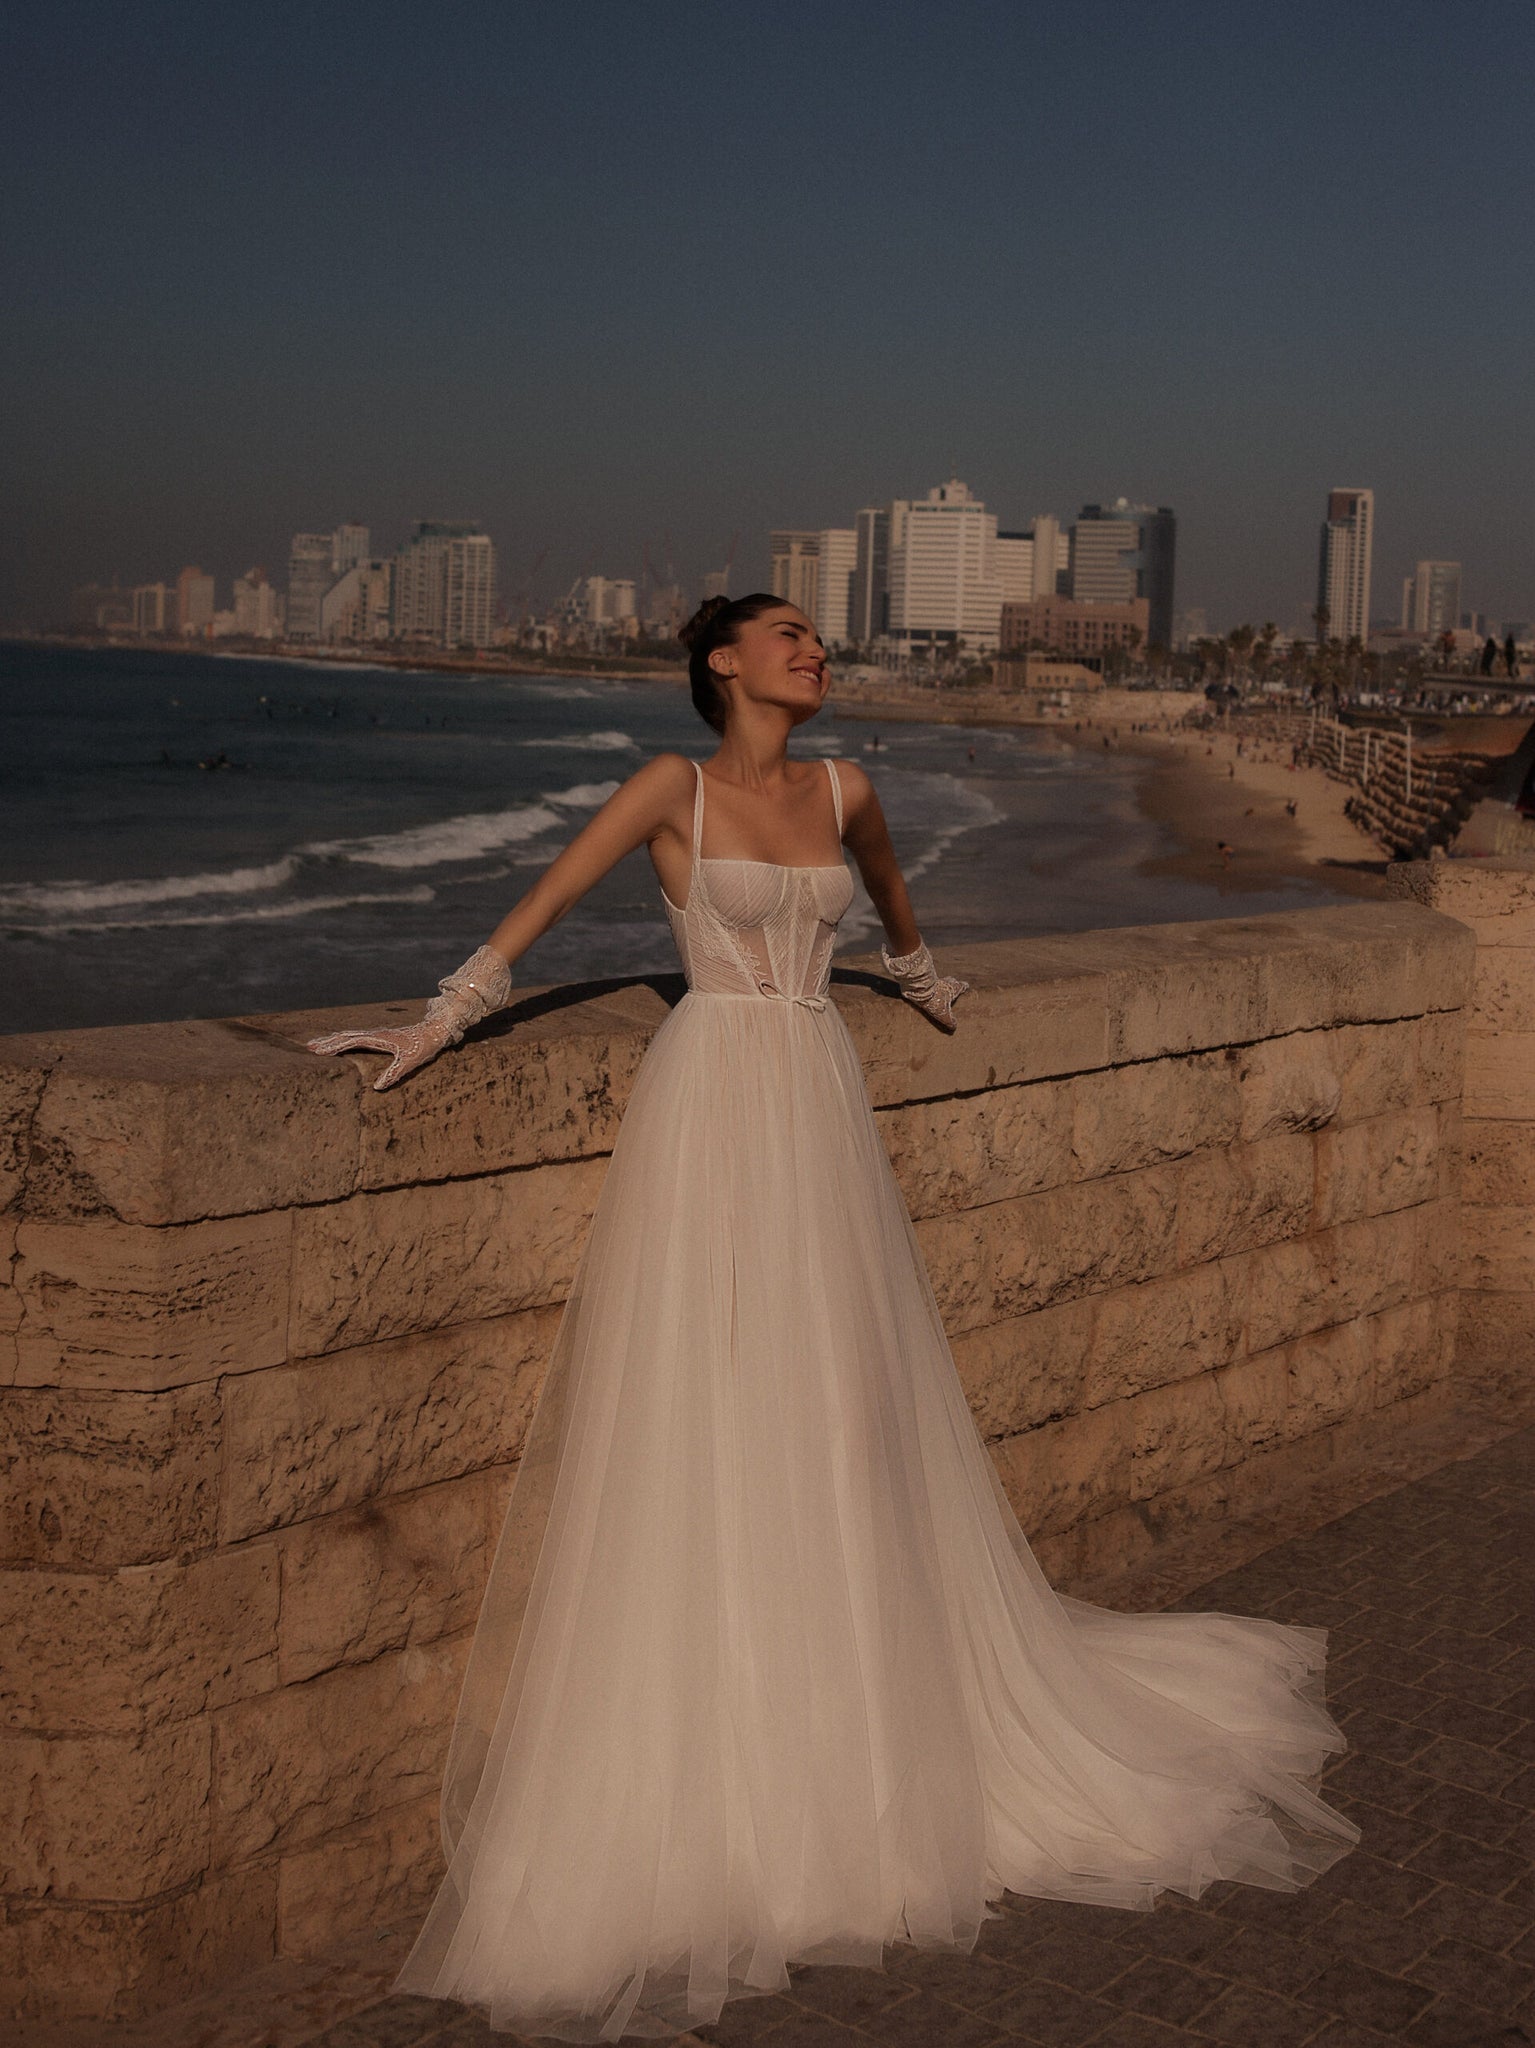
757,927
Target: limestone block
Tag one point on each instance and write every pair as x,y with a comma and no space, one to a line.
329,1433
21,1090
1496,899
1377,1068
1342,1161
369,1876
971,1149
1185,988
1288,1084
1368,962
1405,1158
1497,1165
116,1652
1125,1117
1027,1370
1036,1008
1162,1331
310,1759
1057,1475
104,1817
1285,1290
405,1259
1495,1343
1500,1074
1329,1374
93,1478
1435,1259
62,1962
398,1571
1010,1257
1499,1256
121,1306
1503,997
1184,1431
1245,1195
535,1084
170,1123
1442,1055
1412,1346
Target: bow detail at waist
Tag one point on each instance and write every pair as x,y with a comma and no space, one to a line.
766,995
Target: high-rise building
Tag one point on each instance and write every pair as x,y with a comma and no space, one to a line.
257,607
444,585
796,568
944,583
311,572
1015,567
871,575
1343,571
194,602
349,546
1052,558
1124,551
153,607
356,607
838,569
1431,599
609,601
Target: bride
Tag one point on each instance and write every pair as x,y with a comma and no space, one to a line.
766,1672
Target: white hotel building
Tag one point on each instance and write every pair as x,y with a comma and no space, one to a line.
945,576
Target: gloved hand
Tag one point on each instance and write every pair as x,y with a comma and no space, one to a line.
921,984
471,992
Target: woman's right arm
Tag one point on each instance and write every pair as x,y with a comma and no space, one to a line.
649,803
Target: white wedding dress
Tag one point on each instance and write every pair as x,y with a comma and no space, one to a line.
766,1671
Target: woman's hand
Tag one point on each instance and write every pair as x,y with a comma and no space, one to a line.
927,990
412,1045
464,998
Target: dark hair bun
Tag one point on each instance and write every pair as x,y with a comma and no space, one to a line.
701,620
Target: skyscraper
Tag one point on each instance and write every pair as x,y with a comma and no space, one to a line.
796,567
1122,551
310,575
444,585
1433,599
1015,567
1343,572
838,567
349,546
871,575
944,582
194,602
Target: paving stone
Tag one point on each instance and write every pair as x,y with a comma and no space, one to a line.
1353,1991
1048,2014
1163,1990
1249,2018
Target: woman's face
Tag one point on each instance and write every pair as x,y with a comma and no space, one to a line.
776,659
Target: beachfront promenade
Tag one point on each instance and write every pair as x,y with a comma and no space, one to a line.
1233,1229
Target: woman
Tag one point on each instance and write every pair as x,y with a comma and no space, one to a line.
766,1671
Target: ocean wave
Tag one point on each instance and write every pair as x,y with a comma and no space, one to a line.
54,899
584,742
583,796
256,913
468,837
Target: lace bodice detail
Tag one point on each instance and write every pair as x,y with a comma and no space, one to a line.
756,927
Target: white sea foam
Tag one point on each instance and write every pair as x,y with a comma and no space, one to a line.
468,837
582,796
306,906
587,742
59,899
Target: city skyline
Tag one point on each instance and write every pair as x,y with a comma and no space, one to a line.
462,270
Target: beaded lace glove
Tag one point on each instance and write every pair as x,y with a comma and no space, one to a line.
934,994
471,992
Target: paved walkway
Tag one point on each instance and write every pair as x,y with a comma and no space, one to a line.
1423,1936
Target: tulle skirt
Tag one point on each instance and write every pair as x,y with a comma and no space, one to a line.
766,1670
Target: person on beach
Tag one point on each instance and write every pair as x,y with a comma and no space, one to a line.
766,1673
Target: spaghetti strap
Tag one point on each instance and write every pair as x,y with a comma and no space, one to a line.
836,792
698,821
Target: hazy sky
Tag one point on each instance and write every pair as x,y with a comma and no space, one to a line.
599,274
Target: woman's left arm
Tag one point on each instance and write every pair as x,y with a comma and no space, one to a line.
905,956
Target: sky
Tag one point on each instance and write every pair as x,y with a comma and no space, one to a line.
612,276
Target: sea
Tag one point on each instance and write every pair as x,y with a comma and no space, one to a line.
198,835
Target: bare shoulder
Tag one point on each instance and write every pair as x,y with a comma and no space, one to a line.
665,771
857,789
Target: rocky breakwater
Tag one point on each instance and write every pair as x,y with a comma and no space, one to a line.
270,1342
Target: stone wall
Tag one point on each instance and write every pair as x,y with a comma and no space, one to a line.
1497,900
1188,1197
